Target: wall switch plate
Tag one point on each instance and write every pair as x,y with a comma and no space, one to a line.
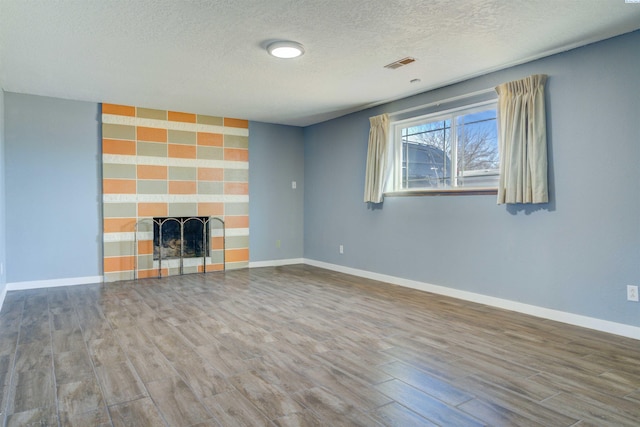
294,185
632,293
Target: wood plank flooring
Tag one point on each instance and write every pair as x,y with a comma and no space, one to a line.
300,346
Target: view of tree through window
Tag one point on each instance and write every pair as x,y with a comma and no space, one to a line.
454,150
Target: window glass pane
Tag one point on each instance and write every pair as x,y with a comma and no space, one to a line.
426,155
477,156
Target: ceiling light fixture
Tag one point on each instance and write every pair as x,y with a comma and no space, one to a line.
285,49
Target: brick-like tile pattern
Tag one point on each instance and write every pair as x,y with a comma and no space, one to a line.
168,163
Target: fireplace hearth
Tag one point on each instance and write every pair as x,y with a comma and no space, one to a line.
181,245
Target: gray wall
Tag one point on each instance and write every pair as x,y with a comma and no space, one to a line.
276,155
3,230
575,254
53,188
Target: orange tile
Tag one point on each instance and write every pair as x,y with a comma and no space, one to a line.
236,221
236,154
152,172
210,209
237,255
119,110
182,117
119,186
145,247
211,267
236,123
182,151
210,139
236,188
152,209
210,174
118,263
151,134
143,274
216,243
182,187
119,225
117,146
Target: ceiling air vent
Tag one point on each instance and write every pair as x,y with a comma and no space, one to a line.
400,63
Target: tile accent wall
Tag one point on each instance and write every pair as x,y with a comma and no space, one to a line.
166,163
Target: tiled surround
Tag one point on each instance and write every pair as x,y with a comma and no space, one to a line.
166,163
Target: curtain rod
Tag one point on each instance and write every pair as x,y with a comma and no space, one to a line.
436,103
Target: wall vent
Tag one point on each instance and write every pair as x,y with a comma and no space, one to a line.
400,63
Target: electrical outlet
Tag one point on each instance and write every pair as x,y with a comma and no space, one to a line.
1,268
294,185
341,249
278,243
632,293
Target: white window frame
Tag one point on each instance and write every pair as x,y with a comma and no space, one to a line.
394,184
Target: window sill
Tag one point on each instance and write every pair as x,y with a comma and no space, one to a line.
444,192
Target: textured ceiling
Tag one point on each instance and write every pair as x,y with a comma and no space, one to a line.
208,56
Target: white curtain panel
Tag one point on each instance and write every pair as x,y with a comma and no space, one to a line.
377,159
522,134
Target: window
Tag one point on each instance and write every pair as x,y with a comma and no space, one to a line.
450,150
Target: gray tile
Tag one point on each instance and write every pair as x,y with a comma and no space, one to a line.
235,141
155,149
209,187
33,389
34,417
118,248
152,187
237,242
95,418
209,153
148,113
209,120
236,209
183,209
183,173
118,171
141,412
119,210
120,383
112,131
177,403
72,366
182,137
236,175
80,397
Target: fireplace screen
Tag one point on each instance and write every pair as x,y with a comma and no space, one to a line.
175,237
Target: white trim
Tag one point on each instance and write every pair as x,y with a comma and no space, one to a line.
175,198
37,284
3,294
615,328
276,262
443,101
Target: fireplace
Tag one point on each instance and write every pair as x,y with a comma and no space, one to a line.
180,237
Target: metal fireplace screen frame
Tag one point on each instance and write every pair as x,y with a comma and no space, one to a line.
206,222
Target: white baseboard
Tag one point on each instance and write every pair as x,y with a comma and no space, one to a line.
542,312
37,284
545,313
3,294
276,262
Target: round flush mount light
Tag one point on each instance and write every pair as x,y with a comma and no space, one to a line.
285,49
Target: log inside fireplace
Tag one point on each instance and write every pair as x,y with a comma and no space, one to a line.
180,237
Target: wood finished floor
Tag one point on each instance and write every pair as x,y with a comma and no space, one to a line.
304,346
